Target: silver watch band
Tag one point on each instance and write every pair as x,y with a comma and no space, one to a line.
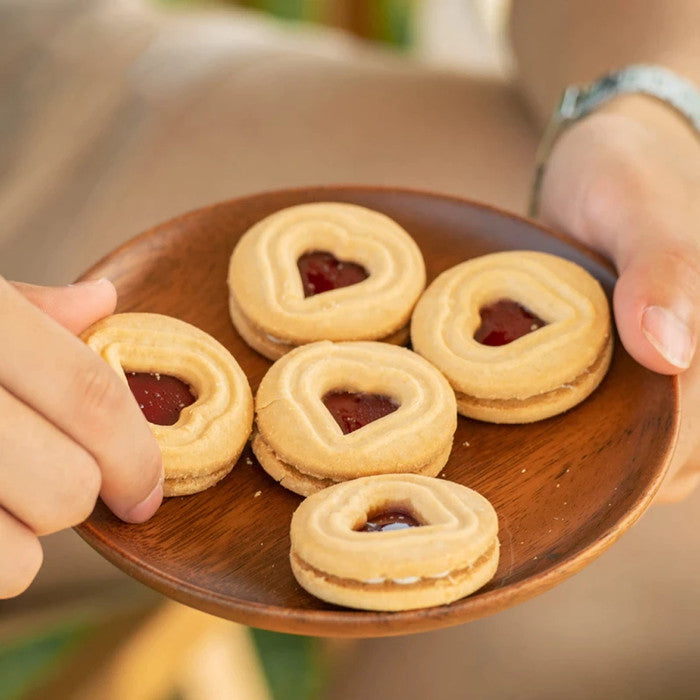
576,102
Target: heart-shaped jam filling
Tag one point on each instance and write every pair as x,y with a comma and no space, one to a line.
387,520
321,271
160,396
354,410
504,321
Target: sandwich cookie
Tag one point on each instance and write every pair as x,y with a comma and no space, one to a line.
394,542
327,412
323,271
520,335
191,390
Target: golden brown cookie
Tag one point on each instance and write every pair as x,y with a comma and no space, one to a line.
520,335
327,412
192,391
323,271
394,542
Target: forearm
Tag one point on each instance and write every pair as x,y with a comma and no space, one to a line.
560,43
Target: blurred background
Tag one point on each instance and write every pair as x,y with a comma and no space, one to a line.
118,114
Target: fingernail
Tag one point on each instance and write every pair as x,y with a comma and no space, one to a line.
669,335
144,510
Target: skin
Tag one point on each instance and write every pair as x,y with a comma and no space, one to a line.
72,416
625,179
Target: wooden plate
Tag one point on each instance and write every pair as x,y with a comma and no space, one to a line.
564,489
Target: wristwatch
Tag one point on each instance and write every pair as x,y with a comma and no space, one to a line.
576,102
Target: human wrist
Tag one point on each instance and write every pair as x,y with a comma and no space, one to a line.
622,158
630,145
647,100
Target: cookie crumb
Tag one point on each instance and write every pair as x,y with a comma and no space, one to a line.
557,485
466,444
522,471
257,493
248,460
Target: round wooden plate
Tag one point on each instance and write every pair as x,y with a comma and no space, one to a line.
564,489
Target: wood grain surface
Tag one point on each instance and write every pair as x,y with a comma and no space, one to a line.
564,489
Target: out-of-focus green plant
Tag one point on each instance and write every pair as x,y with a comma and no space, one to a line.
26,662
292,664
388,21
392,21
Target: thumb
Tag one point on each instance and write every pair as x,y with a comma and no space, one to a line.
616,186
75,306
655,305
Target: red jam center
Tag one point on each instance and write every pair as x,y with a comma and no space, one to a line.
321,271
353,411
160,396
504,321
389,520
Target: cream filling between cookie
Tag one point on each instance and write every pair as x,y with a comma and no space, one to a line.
397,336
399,583
535,398
407,580
328,481
198,476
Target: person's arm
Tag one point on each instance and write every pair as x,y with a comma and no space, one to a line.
626,179
560,43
